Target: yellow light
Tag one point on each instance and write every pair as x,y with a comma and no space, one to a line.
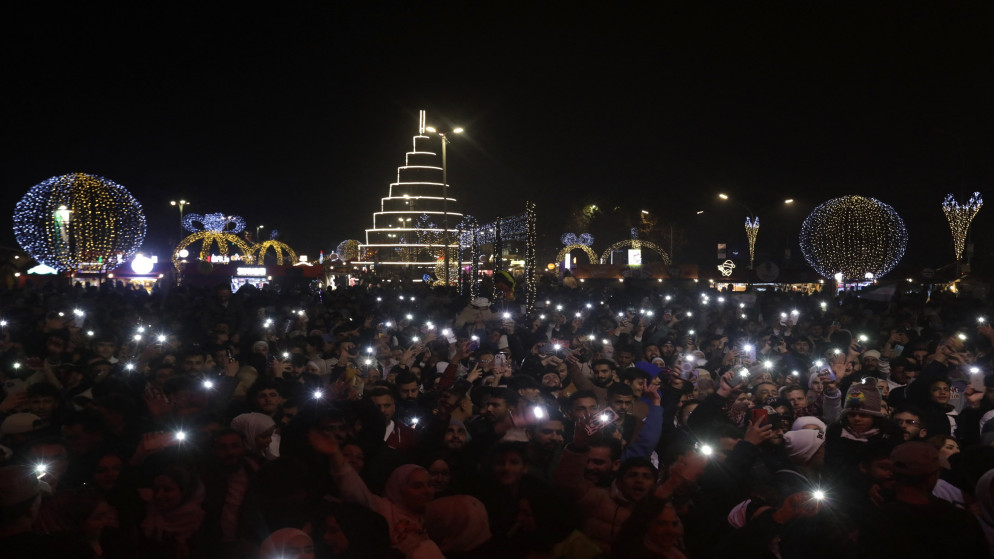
723,196
457,130
430,129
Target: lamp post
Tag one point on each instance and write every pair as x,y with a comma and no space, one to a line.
257,229
180,204
445,193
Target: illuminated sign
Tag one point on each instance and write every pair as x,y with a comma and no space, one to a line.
250,271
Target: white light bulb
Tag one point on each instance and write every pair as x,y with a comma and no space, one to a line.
180,436
208,384
318,394
706,450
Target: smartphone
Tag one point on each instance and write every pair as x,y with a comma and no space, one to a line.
898,349
601,419
231,356
977,379
759,416
500,360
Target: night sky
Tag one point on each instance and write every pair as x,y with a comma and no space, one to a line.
297,118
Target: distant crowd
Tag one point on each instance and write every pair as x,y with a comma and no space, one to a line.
393,420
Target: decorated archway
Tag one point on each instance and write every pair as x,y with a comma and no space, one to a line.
279,247
636,244
214,229
570,248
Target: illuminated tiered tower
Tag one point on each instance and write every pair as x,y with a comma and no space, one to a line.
408,231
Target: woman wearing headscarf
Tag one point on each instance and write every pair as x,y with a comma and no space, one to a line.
460,527
257,429
403,503
174,514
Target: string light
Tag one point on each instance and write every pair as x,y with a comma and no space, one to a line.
79,222
215,228
570,248
348,249
960,217
635,244
853,236
278,247
531,259
419,190
581,239
752,230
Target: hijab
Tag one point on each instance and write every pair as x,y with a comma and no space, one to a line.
394,491
252,425
458,523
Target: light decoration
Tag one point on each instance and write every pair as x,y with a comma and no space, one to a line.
960,217
581,239
635,244
591,255
79,221
726,268
752,230
215,229
418,190
259,251
347,250
850,236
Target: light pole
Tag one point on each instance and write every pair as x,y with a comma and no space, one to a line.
180,204
257,228
445,194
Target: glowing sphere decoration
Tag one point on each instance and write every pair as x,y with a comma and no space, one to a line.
79,222
853,236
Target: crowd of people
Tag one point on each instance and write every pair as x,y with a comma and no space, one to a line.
390,420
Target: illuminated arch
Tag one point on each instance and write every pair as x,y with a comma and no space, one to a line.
636,243
570,248
278,247
210,238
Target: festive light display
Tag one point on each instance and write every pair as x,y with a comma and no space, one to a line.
960,217
215,229
259,250
636,244
726,268
853,236
531,257
79,222
591,255
348,250
582,239
394,237
752,230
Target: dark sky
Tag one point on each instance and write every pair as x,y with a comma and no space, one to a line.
298,117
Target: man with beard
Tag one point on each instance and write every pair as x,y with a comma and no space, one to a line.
545,444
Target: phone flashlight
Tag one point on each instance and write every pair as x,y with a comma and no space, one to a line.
795,311
41,469
89,333
589,306
577,315
981,319
863,338
318,394
818,495
369,350
690,332
430,325
819,363
414,338
78,312
3,323
414,421
286,355
743,372
379,299
401,297
974,370
129,367
208,384
507,315
768,364
368,361
605,341
961,336
161,338
557,347
559,307
747,347
387,324
410,317
541,317
795,373
721,299
446,332
690,313
706,450
137,337
539,412
180,435
604,417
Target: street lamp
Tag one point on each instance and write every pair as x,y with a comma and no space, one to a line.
180,204
257,228
445,193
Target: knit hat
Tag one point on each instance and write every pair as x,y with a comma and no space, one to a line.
864,398
802,422
19,423
871,353
915,458
803,444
